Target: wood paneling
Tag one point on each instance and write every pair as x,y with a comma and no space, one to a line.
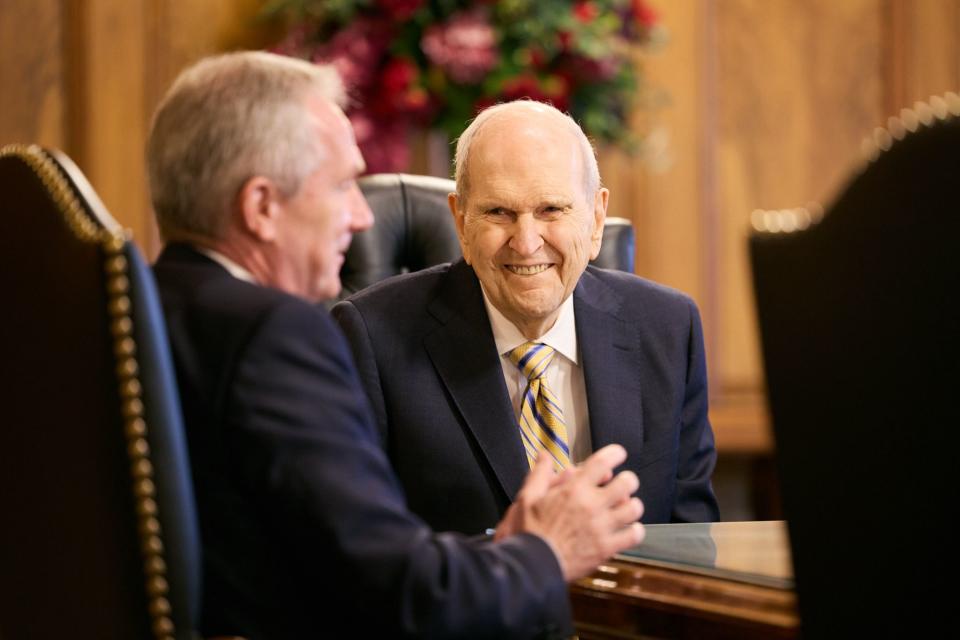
107,130
85,75
798,86
769,102
766,104
922,50
660,190
32,79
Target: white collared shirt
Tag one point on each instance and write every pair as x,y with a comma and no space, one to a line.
232,267
564,375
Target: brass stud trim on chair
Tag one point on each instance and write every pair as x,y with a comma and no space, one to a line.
130,390
923,115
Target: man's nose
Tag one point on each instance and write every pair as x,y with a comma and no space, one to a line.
527,237
361,217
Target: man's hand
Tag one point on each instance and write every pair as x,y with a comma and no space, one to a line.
582,513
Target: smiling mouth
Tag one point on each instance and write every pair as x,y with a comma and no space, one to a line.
527,270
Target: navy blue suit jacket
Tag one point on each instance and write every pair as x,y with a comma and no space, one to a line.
427,358
304,528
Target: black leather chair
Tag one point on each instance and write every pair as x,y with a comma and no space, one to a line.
99,535
861,342
414,230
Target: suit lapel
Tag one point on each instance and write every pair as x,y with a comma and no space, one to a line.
608,346
465,356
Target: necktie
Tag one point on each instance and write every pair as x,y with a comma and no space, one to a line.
541,419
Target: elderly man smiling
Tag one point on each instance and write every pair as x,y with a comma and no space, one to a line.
475,367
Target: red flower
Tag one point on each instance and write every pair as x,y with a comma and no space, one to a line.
398,92
585,11
643,13
537,58
579,69
523,86
483,103
412,63
557,89
397,76
400,10
554,89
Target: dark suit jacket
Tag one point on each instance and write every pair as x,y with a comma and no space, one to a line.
427,358
305,533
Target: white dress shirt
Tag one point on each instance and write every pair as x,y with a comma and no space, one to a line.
564,375
235,270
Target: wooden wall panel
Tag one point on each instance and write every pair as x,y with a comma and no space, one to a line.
178,33
85,75
660,190
768,101
32,78
798,88
769,104
107,132
922,46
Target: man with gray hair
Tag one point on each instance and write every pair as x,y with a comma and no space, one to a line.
475,368
305,532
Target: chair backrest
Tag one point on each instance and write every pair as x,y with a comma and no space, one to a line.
859,328
99,536
414,230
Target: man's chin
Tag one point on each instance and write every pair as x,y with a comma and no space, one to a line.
324,292
531,308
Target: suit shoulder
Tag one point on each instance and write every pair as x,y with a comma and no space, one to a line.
220,310
400,291
638,291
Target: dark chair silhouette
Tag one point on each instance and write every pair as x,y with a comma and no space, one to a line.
99,535
859,329
414,230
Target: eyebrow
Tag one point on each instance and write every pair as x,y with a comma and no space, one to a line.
488,205
558,201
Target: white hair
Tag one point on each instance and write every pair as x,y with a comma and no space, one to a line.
224,120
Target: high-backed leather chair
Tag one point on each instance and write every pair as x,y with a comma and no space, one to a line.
414,230
98,536
861,342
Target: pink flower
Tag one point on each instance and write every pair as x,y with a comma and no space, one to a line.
355,51
383,143
464,46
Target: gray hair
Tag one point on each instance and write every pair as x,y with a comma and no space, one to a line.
591,172
226,119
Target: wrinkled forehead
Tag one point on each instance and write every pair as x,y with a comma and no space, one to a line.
519,147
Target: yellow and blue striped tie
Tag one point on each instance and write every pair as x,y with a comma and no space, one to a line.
541,419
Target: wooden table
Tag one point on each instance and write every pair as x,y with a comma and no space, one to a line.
726,580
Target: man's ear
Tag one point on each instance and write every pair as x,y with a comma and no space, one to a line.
600,200
260,205
458,216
